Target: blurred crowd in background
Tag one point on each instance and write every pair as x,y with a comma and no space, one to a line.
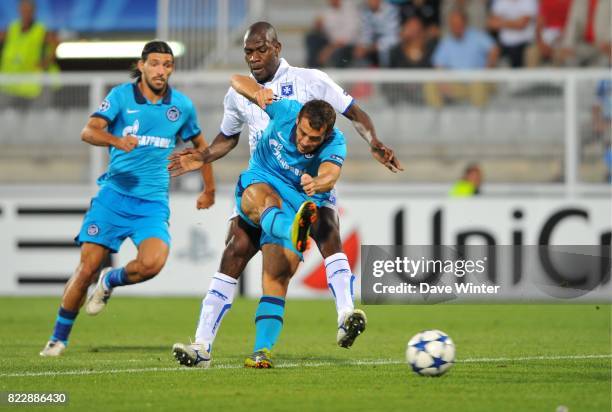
461,34
391,34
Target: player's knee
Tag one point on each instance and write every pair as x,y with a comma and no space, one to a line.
150,267
248,199
257,198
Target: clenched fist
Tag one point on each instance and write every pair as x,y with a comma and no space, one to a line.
127,143
308,184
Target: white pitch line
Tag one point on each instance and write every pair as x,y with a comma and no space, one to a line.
530,358
297,365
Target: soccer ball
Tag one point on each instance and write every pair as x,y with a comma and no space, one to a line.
430,353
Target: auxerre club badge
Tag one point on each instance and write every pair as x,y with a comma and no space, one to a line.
286,89
173,114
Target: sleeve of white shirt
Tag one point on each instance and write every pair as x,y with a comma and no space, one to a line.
321,86
232,119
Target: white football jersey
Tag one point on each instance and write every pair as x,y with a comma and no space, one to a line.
289,82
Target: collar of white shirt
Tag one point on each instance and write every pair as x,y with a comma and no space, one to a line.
282,69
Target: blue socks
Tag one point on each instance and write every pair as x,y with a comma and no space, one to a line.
268,322
277,223
63,325
116,277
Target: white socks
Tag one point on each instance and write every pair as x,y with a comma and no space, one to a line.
215,305
340,282
222,289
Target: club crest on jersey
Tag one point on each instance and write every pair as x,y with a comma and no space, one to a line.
286,89
173,114
104,106
93,230
133,129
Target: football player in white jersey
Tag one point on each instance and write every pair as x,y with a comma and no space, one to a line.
262,54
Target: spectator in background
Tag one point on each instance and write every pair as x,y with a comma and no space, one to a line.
475,10
428,11
515,22
552,16
415,48
469,184
28,48
331,42
587,39
608,161
464,48
379,32
601,123
413,52
602,109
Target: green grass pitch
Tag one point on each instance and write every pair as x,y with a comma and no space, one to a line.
509,358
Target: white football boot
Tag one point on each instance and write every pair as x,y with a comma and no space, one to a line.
53,348
100,296
193,354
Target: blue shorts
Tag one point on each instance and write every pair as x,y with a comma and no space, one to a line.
112,217
292,199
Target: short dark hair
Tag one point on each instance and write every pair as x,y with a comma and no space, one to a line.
262,28
155,46
320,114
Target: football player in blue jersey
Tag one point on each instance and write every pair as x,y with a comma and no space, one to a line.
262,54
139,123
291,174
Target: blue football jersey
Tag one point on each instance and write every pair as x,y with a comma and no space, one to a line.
277,151
143,173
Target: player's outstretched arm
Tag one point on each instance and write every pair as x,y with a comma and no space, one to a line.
364,126
95,134
185,161
250,89
191,159
328,175
207,198
221,146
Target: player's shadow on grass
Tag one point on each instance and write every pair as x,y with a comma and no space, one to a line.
287,357
129,348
